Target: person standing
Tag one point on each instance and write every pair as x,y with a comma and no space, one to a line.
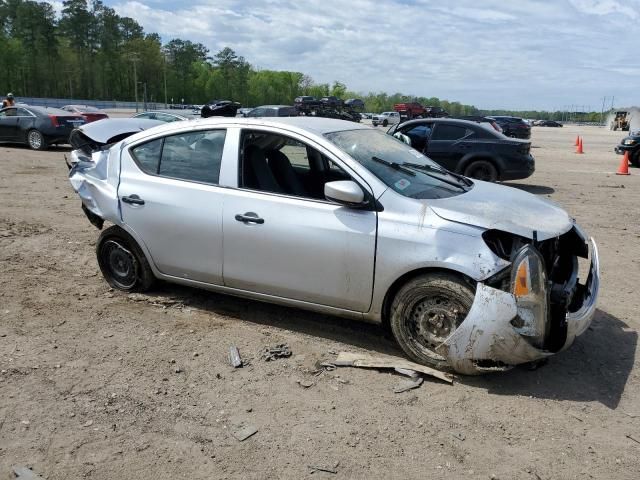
9,101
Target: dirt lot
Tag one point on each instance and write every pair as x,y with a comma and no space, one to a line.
99,384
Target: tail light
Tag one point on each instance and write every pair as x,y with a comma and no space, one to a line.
54,120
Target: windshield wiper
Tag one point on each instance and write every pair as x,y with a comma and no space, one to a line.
431,168
394,165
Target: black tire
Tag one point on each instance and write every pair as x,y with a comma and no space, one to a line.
634,158
425,311
121,261
385,123
36,140
481,170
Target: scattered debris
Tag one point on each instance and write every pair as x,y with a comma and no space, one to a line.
88,423
405,385
269,354
320,468
347,359
408,373
459,436
234,357
242,432
630,437
25,473
305,383
571,414
322,367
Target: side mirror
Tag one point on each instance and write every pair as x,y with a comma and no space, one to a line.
344,192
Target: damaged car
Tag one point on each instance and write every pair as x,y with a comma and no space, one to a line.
340,218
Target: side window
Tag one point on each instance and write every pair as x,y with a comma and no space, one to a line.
10,112
165,118
449,132
279,164
24,113
147,156
194,156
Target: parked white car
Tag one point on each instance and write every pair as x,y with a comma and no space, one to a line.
386,118
337,217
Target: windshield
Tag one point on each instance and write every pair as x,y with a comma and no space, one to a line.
399,166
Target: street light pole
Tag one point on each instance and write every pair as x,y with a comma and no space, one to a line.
165,81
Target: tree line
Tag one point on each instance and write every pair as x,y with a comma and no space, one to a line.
91,52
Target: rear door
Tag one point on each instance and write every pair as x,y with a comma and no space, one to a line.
447,145
169,196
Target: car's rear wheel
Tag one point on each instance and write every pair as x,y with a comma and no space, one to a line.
635,158
426,311
481,170
36,140
121,261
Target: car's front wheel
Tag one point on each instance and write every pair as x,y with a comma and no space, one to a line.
482,170
635,158
385,123
426,311
121,261
36,140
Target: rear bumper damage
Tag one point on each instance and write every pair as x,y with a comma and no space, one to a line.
487,341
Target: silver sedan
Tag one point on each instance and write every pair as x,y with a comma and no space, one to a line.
340,218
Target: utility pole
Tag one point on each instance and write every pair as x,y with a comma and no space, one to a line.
164,56
134,59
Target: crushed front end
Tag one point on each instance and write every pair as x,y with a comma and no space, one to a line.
532,309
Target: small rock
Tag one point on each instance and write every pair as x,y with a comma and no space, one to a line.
88,423
195,354
25,422
178,370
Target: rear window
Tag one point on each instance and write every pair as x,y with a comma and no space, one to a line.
194,156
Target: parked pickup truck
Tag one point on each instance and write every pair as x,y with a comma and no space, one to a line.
385,118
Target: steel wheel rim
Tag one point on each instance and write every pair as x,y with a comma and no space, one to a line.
35,139
121,264
431,320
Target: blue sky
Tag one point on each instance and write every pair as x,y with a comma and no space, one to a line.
542,54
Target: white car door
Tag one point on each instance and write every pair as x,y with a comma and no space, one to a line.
169,196
282,238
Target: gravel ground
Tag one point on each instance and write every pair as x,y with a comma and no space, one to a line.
99,384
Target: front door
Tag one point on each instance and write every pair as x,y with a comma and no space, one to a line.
284,239
169,196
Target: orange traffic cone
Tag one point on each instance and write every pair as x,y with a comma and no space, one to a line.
579,147
577,141
623,169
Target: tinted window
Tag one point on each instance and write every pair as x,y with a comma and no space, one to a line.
164,117
195,156
367,145
146,115
448,132
9,112
24,113
147,156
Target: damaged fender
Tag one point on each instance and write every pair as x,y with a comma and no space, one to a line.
486,334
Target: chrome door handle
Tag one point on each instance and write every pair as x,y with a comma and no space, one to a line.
133,200
249,217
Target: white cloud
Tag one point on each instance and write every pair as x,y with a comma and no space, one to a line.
525,54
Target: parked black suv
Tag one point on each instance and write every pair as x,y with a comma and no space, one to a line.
631,144
473,149
513,126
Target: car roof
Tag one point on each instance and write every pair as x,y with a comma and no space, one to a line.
274,106
46,110
454,121
314,125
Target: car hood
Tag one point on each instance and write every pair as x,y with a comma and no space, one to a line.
509,209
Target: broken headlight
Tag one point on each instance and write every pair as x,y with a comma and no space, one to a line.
529,286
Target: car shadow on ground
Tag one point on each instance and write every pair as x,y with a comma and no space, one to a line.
51,148
536,189
595,368
358,334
